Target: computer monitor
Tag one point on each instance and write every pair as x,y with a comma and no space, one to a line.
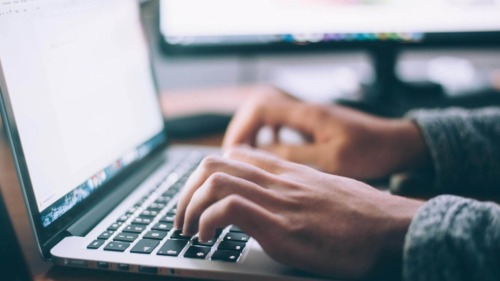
265,24
380,26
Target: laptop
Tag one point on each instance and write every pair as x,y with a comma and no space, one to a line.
13,266
81,111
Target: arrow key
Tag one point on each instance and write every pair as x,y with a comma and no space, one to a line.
172,248
145,246
196,252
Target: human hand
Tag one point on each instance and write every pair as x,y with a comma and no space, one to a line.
341,140
301,217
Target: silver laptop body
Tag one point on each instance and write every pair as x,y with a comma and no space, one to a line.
80,107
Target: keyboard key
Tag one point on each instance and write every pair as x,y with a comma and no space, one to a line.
163,226
124,218
155,234
115,226
156,206
134,228
149,214
116,246
96,244
195,252
234,228
178,235
172,248
142,220
126,237
197,242
237,237
228,256
231,246
131,210
145,246
105,235
170,192
168,218
163,199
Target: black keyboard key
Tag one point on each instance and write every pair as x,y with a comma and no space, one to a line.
237,237
209,243
163,226
163,199
116,246
234,228
156,206
126,237
195,252
228,256
96,244
173,211
105,235
218,232
145,246
131,210
134,228
149,214
231,246
124,218
170,192
115,226
142,220
155,234
168,218
172,248
178,235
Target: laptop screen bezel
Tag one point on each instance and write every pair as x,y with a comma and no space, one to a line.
48,236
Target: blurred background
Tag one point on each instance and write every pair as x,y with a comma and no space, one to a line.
411,56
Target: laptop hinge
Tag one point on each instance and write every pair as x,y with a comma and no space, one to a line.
95,215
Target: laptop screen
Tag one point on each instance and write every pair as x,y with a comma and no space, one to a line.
78,76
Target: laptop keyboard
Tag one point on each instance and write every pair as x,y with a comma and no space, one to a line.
147,227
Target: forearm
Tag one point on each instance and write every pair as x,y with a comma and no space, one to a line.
464,147
453,238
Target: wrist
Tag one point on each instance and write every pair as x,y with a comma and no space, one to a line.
408,146
389,258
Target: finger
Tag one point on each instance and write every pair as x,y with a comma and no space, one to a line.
274,112
219,186
213,164
311,155
247,215
255,157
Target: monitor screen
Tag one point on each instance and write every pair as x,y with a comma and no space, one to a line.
78,77
240,22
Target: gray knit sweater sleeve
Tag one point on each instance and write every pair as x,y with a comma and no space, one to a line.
453,238
464,146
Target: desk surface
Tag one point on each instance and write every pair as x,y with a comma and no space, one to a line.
44,270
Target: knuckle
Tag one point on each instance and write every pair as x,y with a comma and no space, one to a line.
216,180
233,204
233,152
211,162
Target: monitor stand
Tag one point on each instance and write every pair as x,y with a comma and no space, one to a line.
389,96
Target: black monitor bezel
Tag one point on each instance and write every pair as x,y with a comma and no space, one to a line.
472,39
